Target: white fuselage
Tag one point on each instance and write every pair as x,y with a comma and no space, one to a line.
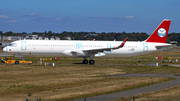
59,47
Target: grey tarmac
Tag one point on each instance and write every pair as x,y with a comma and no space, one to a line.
4,54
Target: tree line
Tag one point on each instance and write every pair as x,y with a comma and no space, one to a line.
134,36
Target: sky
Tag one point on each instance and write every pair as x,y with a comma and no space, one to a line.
88,15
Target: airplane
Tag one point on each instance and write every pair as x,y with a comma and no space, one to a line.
90,49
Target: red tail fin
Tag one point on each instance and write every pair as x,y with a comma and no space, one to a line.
161,32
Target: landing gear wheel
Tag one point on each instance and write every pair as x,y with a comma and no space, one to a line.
16,62
85,61
91,62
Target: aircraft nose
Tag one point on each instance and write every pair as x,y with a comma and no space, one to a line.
4,49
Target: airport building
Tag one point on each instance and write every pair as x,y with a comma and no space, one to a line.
27,37
6,40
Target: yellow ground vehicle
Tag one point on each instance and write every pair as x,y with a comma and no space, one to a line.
8,60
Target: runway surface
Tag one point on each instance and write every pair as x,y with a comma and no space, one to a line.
134,92
4,54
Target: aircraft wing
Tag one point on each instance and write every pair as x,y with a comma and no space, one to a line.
106,49
87,52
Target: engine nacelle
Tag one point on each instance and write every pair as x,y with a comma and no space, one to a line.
74,53
79,53
99,54
68,53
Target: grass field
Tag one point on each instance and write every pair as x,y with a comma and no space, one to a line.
69,79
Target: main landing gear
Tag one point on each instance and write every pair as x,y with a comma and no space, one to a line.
91,62
85,61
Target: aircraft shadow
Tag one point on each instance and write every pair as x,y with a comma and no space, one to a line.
78,63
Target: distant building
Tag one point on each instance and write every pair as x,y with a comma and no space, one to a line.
46,38
173,42
68,38
1,38
34,37
57,38
51,38
40,38
14,38
28,37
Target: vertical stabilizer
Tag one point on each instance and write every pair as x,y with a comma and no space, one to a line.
161,32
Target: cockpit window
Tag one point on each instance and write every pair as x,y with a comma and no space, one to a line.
13,44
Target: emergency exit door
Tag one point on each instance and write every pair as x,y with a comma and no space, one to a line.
145,47
23,45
